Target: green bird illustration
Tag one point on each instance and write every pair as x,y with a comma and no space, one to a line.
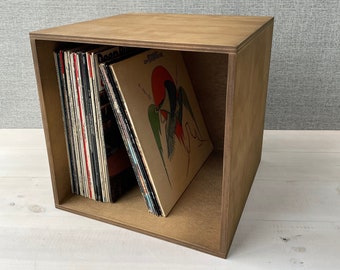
169,102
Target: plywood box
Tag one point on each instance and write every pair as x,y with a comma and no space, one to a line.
228,61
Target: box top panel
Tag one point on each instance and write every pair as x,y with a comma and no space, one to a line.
210,33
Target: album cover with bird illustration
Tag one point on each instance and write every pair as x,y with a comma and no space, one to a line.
165,116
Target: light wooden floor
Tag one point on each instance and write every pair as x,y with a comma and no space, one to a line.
291,220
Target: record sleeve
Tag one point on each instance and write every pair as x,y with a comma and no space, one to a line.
164,115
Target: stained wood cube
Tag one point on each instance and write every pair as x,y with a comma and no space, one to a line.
228,61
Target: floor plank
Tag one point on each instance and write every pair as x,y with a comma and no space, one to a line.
302,140
286,245
299,166
298,201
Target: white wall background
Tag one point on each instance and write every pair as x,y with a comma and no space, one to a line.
304,86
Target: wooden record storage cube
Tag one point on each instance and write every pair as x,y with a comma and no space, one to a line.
228,61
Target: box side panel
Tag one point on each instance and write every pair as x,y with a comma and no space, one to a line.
208,73
52,116
247,91
184,32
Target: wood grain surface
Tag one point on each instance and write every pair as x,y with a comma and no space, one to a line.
164,31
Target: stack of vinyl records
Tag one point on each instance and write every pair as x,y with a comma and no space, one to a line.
130,116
